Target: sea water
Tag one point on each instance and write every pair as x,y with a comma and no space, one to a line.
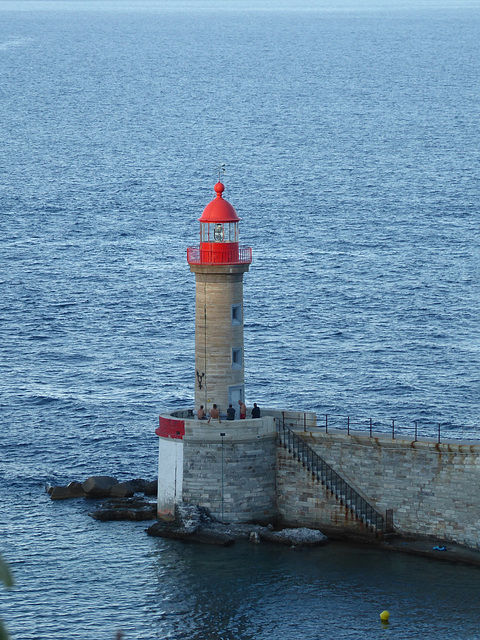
350,137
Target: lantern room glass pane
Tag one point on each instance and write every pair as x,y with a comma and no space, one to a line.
231,232
218,232
204,232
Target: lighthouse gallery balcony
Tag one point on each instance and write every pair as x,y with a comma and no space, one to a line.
219,253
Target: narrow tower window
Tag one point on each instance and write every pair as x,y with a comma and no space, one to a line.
236,314
237,358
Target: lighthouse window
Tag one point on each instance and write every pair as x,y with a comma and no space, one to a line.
237,359
236,314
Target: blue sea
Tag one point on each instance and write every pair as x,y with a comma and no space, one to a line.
350,137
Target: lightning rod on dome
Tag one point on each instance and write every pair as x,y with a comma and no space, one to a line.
221,170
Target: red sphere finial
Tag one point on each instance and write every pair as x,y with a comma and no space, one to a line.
219,189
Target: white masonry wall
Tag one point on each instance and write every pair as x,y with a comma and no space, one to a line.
170,476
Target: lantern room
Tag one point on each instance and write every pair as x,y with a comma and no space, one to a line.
219,235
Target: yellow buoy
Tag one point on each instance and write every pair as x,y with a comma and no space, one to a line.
384,616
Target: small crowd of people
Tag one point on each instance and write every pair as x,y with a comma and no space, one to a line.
214,413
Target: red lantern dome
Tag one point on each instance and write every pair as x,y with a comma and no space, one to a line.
219,235
219,210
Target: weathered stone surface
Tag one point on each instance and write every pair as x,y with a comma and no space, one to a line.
254,537
99,486
204,536
430,488
76,489
102,487
125,509
123,514
122,490
189,517
138,485
211,475
192,523
301,537
151,488
61,493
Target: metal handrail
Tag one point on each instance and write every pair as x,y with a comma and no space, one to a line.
329,477
430,429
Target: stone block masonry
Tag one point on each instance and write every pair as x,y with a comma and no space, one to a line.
218,287
233,476
432,488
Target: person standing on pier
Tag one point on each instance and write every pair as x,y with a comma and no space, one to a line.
243,410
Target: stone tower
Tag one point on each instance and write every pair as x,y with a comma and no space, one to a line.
219,263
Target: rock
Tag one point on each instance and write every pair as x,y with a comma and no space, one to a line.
61,493
204,536
138,485
151,488
254,537
301,537
122,490
73,490
125,509
103,487
189,517
99,486
135,515
76,489
211,536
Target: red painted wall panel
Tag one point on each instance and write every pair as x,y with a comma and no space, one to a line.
171,428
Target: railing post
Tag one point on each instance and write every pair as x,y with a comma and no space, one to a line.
415,431
348,425
438,433
393,429
326,423
304,421
370,427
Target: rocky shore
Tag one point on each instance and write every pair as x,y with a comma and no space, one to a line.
103,487
193,524
125,500
129,501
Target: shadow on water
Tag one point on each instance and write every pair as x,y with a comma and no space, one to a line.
336,592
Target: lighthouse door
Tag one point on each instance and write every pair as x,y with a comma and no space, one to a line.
236,393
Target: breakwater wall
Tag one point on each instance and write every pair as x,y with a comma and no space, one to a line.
429,488
240,471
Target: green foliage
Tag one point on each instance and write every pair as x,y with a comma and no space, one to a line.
7,579
3,632
5,575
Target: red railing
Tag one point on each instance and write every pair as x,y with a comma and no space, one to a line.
219,253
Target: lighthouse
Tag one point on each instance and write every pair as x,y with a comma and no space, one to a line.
228,467
219,262
259,467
